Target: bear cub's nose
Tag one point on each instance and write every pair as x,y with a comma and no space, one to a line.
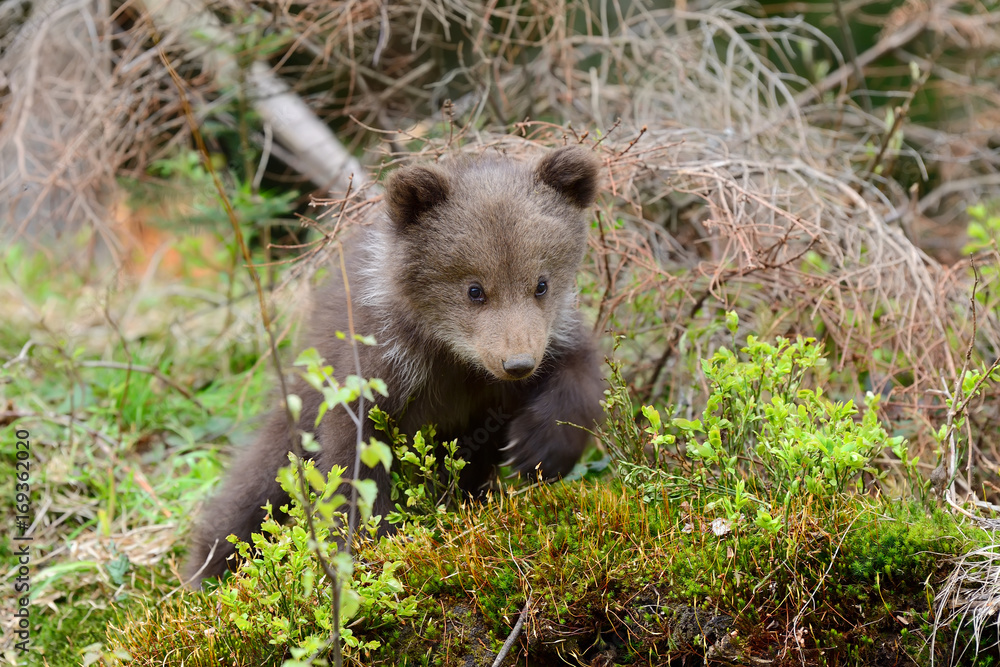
519,366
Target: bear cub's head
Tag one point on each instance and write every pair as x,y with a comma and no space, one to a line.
487,251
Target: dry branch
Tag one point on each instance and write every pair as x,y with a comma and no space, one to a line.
311,142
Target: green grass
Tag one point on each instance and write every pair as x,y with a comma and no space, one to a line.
119,457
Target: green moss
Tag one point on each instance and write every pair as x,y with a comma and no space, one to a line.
62,637
612,575
621,549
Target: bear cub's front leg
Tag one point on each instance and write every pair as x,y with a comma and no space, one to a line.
549,433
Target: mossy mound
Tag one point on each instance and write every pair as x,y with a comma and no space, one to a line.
614,579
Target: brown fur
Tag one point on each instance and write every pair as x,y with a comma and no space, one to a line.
498,373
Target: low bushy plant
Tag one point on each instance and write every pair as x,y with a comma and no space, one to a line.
282,596
423,489
765,439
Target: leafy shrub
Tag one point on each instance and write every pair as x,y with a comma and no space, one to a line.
764,438
430,489
282,594
299,587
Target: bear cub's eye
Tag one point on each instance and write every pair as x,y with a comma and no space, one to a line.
476,293
541,288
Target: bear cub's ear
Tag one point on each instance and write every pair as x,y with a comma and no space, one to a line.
572,172
412,191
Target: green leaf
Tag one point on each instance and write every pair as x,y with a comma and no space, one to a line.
766,522
969,381
653,416
686,425
367,490
117,569
376,452
323,407
350,603
732,321
294,406
309,443
315,479
308,357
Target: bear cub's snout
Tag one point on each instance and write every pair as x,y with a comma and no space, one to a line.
519,366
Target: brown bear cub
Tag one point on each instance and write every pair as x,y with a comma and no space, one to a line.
468,285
